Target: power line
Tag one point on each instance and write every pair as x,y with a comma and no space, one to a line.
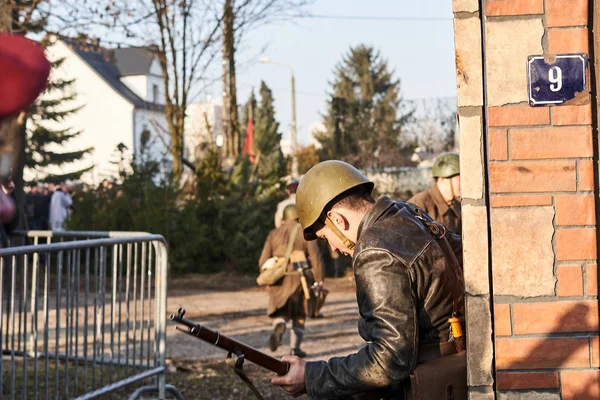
376,18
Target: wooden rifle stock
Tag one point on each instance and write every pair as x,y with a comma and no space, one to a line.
229,344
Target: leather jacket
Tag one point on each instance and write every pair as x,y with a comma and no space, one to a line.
404,290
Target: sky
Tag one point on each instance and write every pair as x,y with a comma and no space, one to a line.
420,52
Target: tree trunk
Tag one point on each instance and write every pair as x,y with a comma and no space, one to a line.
227,148
177,146
234,126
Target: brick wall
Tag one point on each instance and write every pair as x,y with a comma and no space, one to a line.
541,208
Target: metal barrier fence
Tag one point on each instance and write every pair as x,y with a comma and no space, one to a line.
84,318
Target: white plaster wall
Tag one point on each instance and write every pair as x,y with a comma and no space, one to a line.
139,85
155,78
156,123
105,119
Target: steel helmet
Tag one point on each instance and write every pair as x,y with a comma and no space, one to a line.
290,212
321,184
446,166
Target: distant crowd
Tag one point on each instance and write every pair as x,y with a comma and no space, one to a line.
47,206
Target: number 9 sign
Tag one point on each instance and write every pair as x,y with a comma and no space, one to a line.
556,79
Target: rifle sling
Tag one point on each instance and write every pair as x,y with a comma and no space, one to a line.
240,372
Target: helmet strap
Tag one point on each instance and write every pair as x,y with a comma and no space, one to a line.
331,225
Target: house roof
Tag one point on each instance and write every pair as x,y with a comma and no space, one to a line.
134,60
104,62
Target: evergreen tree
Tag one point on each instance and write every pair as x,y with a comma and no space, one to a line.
364,113
267,139
44,140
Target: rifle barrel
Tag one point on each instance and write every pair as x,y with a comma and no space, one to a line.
226,343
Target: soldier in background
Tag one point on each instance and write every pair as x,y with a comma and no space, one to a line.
287,297
291,191
442,200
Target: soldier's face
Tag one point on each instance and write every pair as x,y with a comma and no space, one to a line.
455,182
334,242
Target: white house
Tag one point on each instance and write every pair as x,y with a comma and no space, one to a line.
121,94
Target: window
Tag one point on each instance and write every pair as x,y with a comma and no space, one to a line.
155,93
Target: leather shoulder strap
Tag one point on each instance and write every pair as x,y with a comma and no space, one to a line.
439,231
290,244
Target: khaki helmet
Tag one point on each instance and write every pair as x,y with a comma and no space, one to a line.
446,166
290,212
321,184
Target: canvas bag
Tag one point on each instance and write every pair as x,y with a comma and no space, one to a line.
271,276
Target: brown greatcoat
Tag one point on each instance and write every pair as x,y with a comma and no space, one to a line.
275,246
433,203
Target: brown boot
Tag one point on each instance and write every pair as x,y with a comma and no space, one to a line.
276,335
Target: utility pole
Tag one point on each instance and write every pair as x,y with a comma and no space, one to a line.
294,140
295,174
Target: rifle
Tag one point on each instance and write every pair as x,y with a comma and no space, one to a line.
232,346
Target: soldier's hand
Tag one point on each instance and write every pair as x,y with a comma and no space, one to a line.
293,381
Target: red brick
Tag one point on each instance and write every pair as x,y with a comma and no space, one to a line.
533,176
580,385
575,210
568,41
498,148
518,116
555,317
496,8
520,201
595,351
575,244
502,320
566,13
542,353
591,279
572,115
563,142
586,175
570,280
527,380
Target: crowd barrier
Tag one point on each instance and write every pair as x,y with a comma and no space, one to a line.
83,316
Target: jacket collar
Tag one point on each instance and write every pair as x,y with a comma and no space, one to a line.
440,202
438,199
379,209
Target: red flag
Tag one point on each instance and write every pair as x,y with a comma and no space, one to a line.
248,148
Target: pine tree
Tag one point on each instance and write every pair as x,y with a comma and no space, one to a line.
267,139
43,139
364,113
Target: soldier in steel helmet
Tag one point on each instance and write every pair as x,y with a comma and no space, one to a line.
408,286
291,199
442,200
287,297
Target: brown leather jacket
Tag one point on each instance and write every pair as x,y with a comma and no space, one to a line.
404,289
433,203
275,246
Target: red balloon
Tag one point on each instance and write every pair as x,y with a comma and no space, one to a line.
24,72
